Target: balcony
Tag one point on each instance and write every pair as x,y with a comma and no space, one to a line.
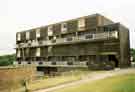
35,43
101,35
87,37
16,46
54,63
113,34
70,39
64,31
60,40
76,39
21,45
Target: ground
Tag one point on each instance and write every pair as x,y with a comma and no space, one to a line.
122,83
108,81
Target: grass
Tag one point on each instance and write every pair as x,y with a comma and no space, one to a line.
50,82
120,83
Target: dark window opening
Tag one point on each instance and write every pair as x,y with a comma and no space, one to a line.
89,36
83,58
38,59
50,37
53,41
29,62
19,62
64,25
53,63
40,63
70,63
114,60
69,39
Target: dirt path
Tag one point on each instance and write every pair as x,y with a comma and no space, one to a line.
92,77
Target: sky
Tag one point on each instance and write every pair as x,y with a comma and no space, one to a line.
19,15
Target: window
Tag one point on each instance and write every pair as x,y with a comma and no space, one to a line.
18,37
53,41
27,51
63,27
27,35
38,52
81,23
89,36
107,29
49,48
19,62
50,30
54,38
70,63
115,34
53,63
37,33
40,63
29,62
69,39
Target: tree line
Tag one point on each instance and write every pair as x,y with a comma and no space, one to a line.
6,60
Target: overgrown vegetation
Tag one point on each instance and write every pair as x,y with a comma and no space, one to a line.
6,60
15,77
53,81
120,83
132,52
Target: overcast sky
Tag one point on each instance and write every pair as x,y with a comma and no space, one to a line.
18,15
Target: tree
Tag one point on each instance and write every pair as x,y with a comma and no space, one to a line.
6,60
132,52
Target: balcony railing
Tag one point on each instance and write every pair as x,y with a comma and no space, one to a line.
35,43
87,37
54,64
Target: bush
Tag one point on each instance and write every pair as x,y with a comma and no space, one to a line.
7,60
132,52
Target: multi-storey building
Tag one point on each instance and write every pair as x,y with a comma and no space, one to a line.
91,41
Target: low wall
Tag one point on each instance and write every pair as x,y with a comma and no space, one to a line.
13,77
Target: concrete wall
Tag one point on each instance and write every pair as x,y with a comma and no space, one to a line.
118,47
13,77
124,47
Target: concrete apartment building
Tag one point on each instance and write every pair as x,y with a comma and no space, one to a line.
91,41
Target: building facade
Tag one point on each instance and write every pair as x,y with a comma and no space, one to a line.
91,41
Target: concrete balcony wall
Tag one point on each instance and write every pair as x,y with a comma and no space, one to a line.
57,64
94,37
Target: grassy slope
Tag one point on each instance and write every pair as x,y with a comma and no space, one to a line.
121,83
49,82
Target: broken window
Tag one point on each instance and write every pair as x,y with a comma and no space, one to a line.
90,36
19,36
50,30
37,33
81,24
27,35
63,27
38,52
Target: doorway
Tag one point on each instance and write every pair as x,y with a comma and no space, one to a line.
114,60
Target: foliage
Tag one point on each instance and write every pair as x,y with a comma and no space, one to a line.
132,52
7,60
